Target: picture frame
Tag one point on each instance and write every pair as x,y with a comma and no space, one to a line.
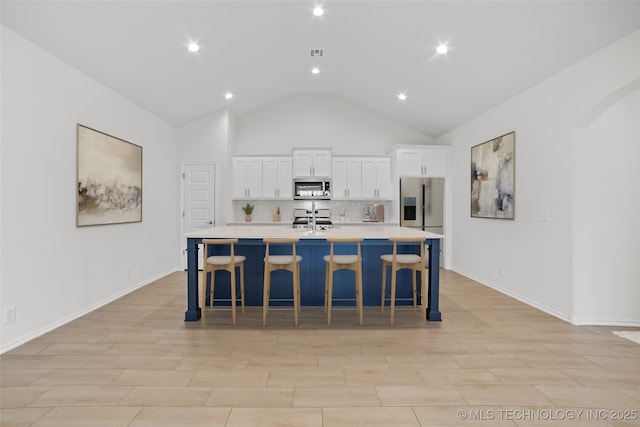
493,178
108,179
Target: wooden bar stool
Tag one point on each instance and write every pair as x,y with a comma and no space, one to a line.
401,261
339,262
222,262
281,262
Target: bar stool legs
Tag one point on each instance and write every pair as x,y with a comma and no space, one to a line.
338,262
416,263
221,262
281,262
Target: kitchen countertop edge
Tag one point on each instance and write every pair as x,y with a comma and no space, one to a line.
286,230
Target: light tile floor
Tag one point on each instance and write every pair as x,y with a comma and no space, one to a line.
491,361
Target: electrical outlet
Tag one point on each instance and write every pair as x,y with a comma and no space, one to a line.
129,273
9,315
544,215
501,271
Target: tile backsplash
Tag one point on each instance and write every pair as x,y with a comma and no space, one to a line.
354,210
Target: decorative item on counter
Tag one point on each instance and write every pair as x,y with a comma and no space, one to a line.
276,214
342,213
248,210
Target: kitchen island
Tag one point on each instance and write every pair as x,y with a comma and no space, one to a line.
312,247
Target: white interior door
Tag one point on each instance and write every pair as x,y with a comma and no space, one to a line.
198,201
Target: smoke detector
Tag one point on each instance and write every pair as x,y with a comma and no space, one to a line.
316,53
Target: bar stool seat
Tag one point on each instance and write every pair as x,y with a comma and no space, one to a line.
397,261
339,262
281,262
228,263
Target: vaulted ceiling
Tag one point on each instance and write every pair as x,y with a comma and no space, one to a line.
372,51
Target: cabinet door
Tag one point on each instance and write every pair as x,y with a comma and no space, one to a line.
354,178
254,178
339,179
410,163
302,163
369,179
270,178
376,178
285,181
436,163
239,174
247,177
312,163
346,178
383,178
322,163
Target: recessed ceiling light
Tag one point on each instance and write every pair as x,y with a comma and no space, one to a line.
315,70
318,11
193,47
442,49
402,96
228,95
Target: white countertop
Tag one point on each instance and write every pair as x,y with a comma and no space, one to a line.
286,230
335,223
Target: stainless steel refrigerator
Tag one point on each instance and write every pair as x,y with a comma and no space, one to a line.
422,204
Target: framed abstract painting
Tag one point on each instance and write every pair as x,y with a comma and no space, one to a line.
109,179
493,178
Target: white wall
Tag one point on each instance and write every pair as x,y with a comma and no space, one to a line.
537,257
53,272
607,207
320,121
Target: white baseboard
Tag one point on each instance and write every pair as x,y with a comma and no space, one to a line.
63,321
578,321
604,322
529,302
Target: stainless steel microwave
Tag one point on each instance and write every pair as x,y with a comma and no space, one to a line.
309,189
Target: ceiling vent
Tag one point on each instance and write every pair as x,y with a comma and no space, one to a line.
316,53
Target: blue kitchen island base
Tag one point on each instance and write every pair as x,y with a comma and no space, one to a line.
312,273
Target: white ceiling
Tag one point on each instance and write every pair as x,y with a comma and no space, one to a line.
373,50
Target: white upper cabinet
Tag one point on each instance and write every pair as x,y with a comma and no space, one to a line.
262,178
277,174
312,163
423,161
346,182
247,177
376,178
